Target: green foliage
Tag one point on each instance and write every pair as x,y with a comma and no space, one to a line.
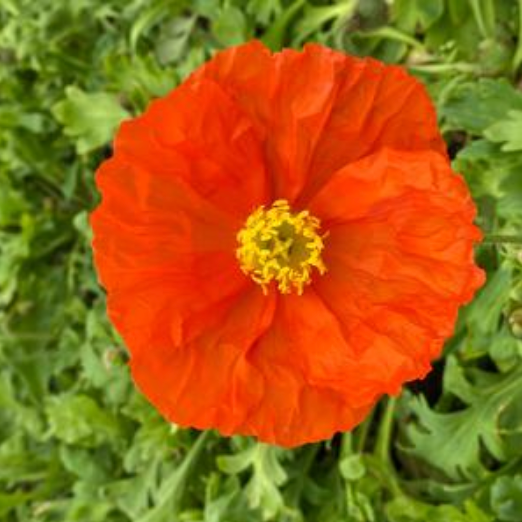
474,106
506,498
507,131
89,119
452,441
77,442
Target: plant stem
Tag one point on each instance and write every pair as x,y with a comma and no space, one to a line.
479,18
382,444
171,492
499,239
346,445
490,18
445,68
362,432
517,59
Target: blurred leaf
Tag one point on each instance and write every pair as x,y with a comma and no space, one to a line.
229,26
267,475
506,498
314,18
174,39
275,34
475,106
403,509
507,131
264,10
77,419
451,442
170,493
89,118
413,15
149,14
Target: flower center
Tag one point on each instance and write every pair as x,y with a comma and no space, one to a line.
278,245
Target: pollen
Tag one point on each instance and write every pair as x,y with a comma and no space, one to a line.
281,246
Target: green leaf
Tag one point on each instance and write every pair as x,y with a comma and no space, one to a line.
451,442
315,17
174,39
149,14
352,467
169,495
506,498
507,131
262,489
89,118
132,495
8,501
275,33
484,316
229,26
475,106
403,509
78,419
90,466
264,10
413,15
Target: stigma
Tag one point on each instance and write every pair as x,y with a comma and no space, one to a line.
282,247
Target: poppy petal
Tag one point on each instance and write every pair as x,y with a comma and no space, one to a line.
377,106
399,258
156,238
321,109
289,95
314,385
188,390
198,134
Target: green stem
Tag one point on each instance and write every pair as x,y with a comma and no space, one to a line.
499,239
295,490
362,432
445,68
172,489
346,445
382,445
490,17
390,33
517,59
479,18
275,35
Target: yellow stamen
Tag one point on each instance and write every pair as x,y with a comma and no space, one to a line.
278,245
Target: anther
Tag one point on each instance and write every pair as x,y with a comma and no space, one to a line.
277,245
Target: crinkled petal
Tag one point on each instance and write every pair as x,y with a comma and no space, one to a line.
162,251
209,381
314,385
399,258
320,109
199,135
377,106
288,96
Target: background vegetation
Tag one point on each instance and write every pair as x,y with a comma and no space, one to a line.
77,443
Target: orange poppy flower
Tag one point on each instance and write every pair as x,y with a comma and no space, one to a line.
282,241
